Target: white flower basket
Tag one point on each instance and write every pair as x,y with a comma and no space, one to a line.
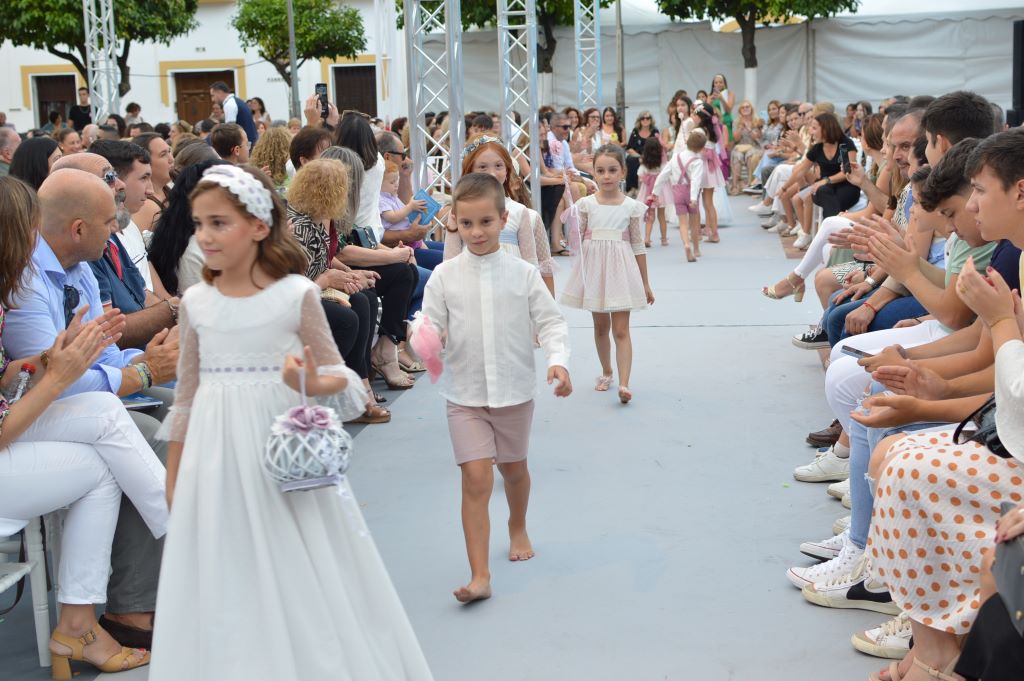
308,448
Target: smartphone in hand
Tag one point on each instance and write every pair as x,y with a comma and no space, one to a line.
321,92
844,158
854,352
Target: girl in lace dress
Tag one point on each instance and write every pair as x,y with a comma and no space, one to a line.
257,583
524,235
609,278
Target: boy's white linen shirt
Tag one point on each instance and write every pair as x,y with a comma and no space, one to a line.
672,174
486,308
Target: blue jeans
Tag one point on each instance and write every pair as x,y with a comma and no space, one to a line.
834,323
863,441
416,302
431,256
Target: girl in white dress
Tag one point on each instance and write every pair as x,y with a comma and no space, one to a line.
609,277
257,583
524,235
713,178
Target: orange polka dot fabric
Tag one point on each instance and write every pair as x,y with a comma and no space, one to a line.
936,506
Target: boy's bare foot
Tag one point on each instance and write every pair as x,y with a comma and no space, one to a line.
521,548
476,590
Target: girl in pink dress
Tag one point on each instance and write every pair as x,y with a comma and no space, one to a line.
712,170
650,165
609,278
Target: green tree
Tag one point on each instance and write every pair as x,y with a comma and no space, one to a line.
323,30
749,13
57,26
550,13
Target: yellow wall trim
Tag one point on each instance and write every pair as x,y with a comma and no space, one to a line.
166,67
326,64
45,70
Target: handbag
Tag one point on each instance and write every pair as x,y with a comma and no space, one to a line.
334,295
307,448
1008,571
980,427
364,236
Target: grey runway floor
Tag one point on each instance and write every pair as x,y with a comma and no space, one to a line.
663,529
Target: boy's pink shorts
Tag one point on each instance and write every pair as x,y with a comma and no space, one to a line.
501,434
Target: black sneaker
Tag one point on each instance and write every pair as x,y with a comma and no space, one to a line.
813,339
753,189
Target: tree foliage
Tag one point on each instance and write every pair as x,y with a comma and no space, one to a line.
550,13
57,26
323,30
749,13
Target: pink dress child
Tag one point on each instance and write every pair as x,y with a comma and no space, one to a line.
647,194
605,276
713,176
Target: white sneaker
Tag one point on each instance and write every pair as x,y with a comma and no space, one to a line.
772,222
841,525
760,209
778,227
803,241
847,501
890,640
827,467
857,590
839,489
826,549
794,230
839,566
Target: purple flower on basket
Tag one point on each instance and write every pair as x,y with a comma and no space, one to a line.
303,419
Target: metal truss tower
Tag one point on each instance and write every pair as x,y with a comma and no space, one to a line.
434,84
517,55
101,58
587,22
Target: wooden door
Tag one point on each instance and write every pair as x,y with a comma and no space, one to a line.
355,87
55,93
192,90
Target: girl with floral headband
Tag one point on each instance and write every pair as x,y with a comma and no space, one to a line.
301,592
524,235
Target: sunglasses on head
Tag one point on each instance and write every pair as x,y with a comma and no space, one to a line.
110,177
564,127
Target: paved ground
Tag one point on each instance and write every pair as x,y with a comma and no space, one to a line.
663,529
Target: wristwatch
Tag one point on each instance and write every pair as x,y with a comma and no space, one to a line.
44,359
173,308
871,281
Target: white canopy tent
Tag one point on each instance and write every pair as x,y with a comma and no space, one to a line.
886,48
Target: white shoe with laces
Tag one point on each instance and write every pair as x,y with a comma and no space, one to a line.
858,589
760,209
839,566
841,525
838,489
847,501
826,549
827,467
803,241
890,640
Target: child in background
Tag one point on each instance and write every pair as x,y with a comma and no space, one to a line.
609,278
650,167
394,214
683,176
523,235
713,177
297,569
485,304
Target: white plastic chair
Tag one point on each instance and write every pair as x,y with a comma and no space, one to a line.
35,567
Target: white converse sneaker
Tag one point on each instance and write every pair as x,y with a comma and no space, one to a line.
890,640
772,222
847,501
857,589
839,566
841,525
803,240
827,467
760,209
826,549
838,489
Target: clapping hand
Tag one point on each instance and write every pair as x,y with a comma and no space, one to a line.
989,296
561,375
69,359
888,411
912,379
111,323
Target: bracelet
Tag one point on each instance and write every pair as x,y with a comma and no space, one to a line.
870,281
992,325
145,375
871,307
44,359
173,309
